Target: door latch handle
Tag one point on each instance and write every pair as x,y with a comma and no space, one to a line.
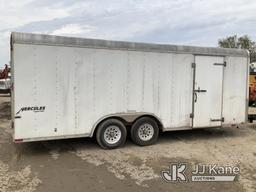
195,97
200,90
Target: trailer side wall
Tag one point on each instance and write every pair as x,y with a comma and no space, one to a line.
79,86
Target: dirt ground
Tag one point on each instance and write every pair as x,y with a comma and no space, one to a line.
80,165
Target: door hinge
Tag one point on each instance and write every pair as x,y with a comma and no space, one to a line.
214,120
191,115
223,64
193,65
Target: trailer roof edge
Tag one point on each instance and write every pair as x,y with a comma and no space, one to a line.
51,40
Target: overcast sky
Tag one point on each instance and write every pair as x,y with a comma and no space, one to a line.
190,22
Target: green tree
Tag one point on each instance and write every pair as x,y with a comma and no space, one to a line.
243,42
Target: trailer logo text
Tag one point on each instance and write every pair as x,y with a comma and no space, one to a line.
35,109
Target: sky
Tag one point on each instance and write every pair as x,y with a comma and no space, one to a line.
183,22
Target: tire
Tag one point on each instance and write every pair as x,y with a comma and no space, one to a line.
111,134
150,135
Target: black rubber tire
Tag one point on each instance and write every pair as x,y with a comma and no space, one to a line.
100,134
135,131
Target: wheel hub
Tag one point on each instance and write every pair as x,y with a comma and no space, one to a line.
145,132
112,134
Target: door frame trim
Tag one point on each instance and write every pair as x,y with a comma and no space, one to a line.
193,65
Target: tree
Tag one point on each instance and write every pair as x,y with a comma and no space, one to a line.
243,42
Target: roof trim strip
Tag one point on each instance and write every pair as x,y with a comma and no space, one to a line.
51,40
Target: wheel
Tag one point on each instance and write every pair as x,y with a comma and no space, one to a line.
144,131
111,134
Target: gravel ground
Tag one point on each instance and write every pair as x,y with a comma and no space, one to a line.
79,164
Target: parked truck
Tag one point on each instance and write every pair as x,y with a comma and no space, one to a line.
77,87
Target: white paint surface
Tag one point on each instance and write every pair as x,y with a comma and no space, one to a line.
80,86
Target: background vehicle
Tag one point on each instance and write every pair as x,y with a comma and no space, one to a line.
252,93
74,87
5,80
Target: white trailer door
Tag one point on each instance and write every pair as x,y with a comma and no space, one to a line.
208,91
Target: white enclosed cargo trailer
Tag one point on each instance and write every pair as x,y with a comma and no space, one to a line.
67,87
